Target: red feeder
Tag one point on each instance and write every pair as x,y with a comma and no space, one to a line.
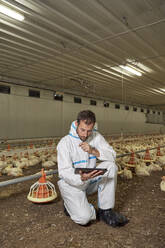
42,191
158,152
132,158
8,147
147,156
31,146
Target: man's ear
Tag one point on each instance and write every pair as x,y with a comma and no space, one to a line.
76,123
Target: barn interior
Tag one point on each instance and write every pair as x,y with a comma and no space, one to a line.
57,58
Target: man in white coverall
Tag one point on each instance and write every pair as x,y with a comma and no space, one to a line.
80,148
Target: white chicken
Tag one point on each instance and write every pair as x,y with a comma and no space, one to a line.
155,167
16,172
3,164
33,160
48,164
142,170
20,164
127,173
53,158
162,184
161,160
7,169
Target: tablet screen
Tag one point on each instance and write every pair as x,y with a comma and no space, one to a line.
88,170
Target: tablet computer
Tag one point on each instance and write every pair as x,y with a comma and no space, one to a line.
88,170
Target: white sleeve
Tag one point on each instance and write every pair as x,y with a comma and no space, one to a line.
65,168
106,151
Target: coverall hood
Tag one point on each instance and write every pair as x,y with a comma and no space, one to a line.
73,132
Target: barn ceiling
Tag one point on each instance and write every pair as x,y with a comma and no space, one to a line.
77,46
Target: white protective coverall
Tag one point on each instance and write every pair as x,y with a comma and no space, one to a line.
73,190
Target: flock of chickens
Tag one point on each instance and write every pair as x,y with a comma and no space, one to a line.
141,163
14,162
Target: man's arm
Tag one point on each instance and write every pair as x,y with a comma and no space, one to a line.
106,151
102,150
65,167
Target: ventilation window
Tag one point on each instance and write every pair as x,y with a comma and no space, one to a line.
142,110
77,99
148,111
153,112
106,104
117,106
58,97
126,107
34,93
93,102
4,89
134,109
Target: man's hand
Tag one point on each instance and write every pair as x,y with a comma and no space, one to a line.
91,150
86,176
86,147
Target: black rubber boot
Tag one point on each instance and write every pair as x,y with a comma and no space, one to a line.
112,218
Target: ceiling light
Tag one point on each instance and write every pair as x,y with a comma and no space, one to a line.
118,69
130,69
9,12
162,89
144,67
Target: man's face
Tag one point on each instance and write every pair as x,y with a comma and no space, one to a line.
84,130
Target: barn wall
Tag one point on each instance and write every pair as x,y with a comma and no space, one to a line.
27,117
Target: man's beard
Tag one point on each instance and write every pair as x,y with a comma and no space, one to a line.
83,138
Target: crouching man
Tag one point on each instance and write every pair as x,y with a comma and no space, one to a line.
80,148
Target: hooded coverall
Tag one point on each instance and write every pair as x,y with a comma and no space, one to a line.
73,190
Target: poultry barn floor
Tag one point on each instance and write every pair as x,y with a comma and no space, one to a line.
24,224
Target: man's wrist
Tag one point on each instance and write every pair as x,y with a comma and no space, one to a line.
91,150
94,151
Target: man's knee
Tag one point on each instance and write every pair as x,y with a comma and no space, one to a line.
82,219
84,216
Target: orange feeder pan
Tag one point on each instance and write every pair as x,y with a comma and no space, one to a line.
147,157
42,191
158,154
131,162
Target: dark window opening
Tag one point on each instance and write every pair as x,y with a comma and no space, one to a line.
153,112
158,113
148,111
77,99
93,102
58,97
142,110
134,109
117,106
4,89
34,93
126,107
106,104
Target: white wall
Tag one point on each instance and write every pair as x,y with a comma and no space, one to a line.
22,116
26,117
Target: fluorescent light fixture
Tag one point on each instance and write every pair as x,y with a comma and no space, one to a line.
130,69
118,69
139,65
9,12
144,67
162,89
